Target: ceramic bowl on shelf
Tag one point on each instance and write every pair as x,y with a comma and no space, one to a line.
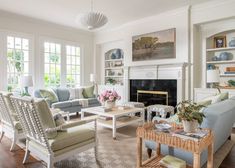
232,42
224,56
215,58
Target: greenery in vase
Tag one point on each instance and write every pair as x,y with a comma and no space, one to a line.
190,111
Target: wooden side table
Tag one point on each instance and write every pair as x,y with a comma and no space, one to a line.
147,131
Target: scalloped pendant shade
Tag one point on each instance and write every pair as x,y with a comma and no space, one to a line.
93,20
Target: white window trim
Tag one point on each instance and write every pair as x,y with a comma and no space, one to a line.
3,44
63,43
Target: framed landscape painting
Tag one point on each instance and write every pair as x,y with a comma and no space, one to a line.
154,46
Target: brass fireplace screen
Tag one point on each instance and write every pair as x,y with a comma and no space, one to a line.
152,92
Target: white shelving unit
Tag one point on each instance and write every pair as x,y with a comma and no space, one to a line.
114,61
221,64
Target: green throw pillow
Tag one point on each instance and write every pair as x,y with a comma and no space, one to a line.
49,95
88,92
205,103
223,96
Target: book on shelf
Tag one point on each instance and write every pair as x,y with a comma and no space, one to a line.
172,162
229,72
196,136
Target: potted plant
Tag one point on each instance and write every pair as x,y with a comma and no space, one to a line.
108,98
190,115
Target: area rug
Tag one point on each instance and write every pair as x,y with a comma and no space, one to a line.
121,153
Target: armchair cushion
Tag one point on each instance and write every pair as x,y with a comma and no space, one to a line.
72,136
46,116
62,104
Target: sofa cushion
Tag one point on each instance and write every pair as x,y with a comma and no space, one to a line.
63,104
205,102
72,136
46,116
88,92
223,96
93,101
63,94
75,102
214,99
76,93
49,95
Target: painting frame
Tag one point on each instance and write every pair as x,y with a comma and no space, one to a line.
156,45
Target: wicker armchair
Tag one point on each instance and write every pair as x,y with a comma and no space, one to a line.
11,126
48,142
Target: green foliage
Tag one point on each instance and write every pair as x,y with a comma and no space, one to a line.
111,81
231,83
145,42
190,111
54,58
9,88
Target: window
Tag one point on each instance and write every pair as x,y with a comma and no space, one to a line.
18,60
73,66
52,66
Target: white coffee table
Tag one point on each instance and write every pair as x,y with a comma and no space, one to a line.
115,117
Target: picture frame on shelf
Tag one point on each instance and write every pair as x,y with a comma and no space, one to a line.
220,42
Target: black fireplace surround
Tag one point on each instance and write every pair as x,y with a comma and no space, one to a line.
169,86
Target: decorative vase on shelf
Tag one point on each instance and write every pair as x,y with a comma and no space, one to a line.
109,104
232,42
190,126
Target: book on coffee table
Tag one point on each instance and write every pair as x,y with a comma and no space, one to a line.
196,136
103,109
172,162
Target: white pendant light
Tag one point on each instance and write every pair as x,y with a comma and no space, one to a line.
93,20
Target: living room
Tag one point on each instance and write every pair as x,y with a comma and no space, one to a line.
82,89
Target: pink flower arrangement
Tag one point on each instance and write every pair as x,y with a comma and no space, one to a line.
109,95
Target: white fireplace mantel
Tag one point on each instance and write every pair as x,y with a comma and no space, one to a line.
162,71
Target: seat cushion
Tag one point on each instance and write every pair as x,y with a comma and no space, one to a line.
75,102
63,94
45,116
72,136
93,101
88,92
63,104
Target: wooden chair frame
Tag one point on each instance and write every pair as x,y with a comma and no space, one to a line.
35,132
7,122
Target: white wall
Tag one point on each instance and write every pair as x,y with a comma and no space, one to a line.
172,19
208,19
38,29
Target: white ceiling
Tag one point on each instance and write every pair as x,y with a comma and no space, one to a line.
118,12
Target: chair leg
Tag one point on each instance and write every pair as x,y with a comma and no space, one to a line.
2,134
13,142
50,163
27,153
96,152
149,151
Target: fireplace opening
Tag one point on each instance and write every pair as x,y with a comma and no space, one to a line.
154,91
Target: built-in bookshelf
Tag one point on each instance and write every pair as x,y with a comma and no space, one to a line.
214,58
114,66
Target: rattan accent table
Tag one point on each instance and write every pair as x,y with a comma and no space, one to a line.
148,132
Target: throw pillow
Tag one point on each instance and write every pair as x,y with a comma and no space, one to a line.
214,99
205,102
88,92
49,95
223,96
59,119
76,93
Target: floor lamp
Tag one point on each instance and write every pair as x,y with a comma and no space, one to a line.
93,81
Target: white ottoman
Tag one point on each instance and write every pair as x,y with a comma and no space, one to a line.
161,110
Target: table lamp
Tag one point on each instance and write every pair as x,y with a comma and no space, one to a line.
213,77
26,82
